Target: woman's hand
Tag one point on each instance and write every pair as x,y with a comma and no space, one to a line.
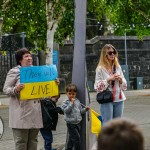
115,77
111,78
118,78
19,87
57,81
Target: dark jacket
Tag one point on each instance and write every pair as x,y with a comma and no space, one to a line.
50,113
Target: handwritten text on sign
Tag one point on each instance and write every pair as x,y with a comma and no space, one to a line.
39,90
38,73
39,82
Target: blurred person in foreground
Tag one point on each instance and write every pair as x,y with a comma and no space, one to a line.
120,134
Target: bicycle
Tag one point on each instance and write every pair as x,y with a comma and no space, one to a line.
1,127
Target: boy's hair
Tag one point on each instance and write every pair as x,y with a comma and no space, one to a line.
120,134
71,88
19,54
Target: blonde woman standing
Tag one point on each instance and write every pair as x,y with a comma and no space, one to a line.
109,75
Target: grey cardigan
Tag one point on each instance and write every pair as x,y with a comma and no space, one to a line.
72,112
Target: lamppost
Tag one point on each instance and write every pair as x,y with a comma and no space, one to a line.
125,47
1,22
125,67
79,61
125,44
23,35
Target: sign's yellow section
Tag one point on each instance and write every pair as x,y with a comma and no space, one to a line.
39,90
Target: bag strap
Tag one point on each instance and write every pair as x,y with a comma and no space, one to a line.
114,71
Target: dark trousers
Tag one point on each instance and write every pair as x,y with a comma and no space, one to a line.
73,142
48,138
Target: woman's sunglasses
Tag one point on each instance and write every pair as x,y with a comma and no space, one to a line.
110,53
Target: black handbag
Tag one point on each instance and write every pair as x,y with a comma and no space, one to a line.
104,97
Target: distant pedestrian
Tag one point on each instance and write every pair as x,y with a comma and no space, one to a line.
25,117
120,134
109,75
73,115
50,118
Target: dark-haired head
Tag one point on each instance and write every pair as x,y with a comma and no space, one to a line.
71,88
120,134
19,54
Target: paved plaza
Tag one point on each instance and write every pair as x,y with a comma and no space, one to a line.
137,107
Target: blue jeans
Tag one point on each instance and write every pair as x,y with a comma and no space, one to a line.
48,138
111,110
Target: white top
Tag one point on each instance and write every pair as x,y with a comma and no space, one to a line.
101,83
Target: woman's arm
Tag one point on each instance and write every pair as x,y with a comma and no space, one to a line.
10,82
101,82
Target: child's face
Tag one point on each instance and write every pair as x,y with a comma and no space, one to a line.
71,95
55,98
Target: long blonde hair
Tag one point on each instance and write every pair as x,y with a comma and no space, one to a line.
103,61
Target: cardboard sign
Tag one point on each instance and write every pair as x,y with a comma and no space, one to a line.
39,82
39,90
38,73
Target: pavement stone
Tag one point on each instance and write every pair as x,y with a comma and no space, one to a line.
136,107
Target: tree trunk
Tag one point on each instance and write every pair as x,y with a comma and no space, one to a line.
50,41
51,28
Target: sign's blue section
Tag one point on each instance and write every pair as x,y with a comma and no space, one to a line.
38,73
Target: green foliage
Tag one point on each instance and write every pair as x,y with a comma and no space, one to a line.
123,14
1,2
26,16
29,16
66,24
131,15
96,7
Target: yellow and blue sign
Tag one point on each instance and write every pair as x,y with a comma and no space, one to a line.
39,81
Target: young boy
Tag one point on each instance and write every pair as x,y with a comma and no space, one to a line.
73,115
50,119
120,134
